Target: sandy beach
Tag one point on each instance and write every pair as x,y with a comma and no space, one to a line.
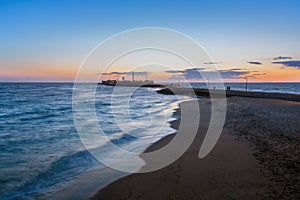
256,157
150,100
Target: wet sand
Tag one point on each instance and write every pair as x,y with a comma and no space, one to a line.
256,157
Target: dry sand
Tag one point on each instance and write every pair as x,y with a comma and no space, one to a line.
256,157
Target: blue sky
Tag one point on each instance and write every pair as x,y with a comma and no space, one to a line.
36,35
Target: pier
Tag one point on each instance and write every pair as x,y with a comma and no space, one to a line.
229,93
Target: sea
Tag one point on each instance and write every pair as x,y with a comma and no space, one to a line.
41,152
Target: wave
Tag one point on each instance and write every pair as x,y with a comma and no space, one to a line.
60,172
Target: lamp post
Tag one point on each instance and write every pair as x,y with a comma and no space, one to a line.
132,76
207,83
246,83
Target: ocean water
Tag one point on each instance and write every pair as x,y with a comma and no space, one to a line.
40,149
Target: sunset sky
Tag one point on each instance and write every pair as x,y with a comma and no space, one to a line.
48,40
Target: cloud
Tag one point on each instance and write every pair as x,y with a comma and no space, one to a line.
255,75
259,74
198,68
291,63
204,73
175,71
212,63
233,74
126,73
104,74
255,63
117,73
185,71
144,73
282,58
236,69
195,74
111,73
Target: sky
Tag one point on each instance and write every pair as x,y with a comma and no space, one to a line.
48,40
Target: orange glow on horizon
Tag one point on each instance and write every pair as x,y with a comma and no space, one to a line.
272,73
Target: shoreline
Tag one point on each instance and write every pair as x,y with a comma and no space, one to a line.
255,180
92,184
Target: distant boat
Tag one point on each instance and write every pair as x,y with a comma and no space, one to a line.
110,82
133,83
